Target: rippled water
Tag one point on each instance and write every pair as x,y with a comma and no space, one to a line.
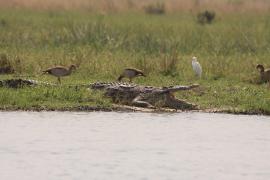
124,146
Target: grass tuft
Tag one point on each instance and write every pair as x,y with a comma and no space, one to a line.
157,8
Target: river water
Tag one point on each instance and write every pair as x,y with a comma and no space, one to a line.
139,146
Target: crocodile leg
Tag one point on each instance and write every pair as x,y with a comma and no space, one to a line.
175,103
140,103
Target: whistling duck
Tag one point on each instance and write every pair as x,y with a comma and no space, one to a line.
130,73
264,73
59,71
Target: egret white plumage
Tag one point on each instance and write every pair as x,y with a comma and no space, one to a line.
196,67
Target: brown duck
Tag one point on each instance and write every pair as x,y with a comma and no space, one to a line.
59,71
264,73
130,73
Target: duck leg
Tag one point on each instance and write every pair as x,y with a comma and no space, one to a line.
59,80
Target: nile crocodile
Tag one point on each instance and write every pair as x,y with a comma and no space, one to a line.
20,83
145,96
17,83
124,93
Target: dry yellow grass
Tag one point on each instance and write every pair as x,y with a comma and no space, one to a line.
139,5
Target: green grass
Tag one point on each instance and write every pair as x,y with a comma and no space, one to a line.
162,46
42,98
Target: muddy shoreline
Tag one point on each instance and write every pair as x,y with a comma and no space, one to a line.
125,108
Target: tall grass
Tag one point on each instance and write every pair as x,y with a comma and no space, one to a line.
39,40
109,6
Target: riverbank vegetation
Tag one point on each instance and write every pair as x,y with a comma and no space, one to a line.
102,44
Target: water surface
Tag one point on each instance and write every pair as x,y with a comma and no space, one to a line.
127,146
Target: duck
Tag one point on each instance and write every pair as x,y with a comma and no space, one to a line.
264,73
196,67
59,71
130,73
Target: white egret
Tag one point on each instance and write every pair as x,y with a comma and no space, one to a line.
196,67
